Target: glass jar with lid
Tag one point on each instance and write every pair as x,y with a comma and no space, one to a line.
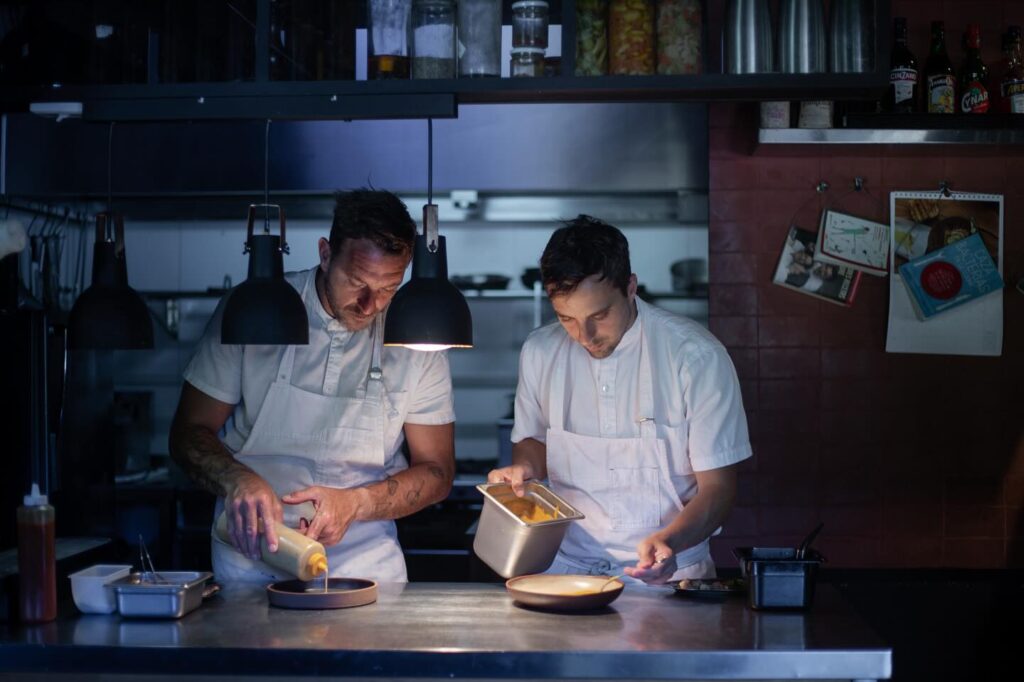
530,23
526,62
433,39
679,36
479,36
631,37
591,37
387,29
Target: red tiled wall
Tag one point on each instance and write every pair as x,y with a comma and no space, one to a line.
910,460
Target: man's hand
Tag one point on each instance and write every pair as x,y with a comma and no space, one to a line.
336,509
656,561
517,475
252,509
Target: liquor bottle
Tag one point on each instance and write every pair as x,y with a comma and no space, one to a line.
901,95
1011,85
973,75
940,80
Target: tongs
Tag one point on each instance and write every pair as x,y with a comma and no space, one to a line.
149,574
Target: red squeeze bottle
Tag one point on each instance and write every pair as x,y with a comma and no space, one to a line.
37,559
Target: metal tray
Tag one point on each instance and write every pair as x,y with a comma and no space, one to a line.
511,546
178,593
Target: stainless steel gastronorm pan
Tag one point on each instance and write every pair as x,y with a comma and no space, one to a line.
511,546
178,593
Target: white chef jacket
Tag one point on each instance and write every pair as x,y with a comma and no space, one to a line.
694,381
417,383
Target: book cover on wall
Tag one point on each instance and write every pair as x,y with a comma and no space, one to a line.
799,269
923,224
951,276
853,242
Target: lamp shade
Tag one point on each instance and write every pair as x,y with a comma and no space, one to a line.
265,309
429,313
109,314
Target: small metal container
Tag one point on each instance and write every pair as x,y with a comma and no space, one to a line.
776,578
177,594
512,546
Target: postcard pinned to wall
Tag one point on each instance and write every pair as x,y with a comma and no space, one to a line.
853,242
954,303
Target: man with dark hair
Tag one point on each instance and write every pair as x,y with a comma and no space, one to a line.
632,413
319,427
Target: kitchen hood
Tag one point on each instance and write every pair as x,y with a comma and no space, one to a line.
488,153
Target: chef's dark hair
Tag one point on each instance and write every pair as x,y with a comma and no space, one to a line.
583,247
377,215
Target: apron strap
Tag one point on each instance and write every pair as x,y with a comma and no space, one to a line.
645,383
556,393
374,389
287,366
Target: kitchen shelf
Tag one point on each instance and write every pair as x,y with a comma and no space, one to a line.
348,100
907,129
889,136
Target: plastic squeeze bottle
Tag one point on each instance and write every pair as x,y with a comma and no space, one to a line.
37,559
296,554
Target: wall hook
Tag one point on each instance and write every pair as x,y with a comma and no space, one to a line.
822,187
944,189
858,184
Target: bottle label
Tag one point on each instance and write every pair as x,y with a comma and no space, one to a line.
1013,92
974,99
903,79
941,94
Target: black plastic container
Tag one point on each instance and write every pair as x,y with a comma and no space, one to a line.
776,578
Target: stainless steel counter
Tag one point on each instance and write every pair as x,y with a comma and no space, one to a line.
464,631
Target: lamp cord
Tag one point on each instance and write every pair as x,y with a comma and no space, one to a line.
430,160
110,167
266,179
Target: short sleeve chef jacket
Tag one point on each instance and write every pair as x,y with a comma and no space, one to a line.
335,363
694,382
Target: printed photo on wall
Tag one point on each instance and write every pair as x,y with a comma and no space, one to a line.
945,287
799,269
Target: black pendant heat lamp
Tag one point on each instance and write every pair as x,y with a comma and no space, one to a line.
109,314
429,312
265,309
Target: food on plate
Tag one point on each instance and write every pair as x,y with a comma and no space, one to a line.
711,584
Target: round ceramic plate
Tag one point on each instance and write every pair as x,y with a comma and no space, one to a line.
564,592
342,593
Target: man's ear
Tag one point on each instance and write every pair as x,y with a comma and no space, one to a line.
631,287
324,247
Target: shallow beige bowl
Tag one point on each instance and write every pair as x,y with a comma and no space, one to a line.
564,592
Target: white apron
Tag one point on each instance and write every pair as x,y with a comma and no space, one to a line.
302,439
622,485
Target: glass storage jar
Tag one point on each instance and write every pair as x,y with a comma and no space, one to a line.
526,62
530,23
679,37
479,36
631,37
387,43
433,39
591,37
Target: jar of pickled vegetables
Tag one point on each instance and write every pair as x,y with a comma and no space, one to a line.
591,37
631,37
679,36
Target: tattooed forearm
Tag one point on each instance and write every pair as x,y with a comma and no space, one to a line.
407,492
202,456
